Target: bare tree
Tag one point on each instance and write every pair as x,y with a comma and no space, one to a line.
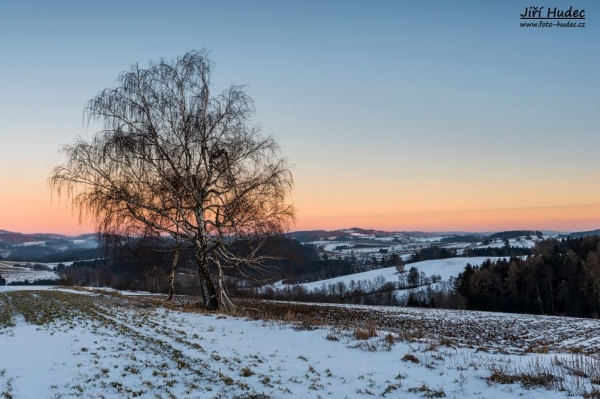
174,159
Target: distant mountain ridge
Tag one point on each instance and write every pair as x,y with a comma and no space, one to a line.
356,232
47,247
580,234
16,237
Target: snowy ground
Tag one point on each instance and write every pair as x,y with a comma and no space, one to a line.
366,247
521,242
14,274
443,267
64,344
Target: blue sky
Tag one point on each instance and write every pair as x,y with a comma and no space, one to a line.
396,114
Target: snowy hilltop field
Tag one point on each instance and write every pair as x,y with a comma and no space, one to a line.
61,343
12,273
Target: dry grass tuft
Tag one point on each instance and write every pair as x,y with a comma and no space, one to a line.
410,358
289,316
246,372
364,333
538,349
528,380
389,339
332,336
594,393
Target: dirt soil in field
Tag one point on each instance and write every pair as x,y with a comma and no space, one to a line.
486,331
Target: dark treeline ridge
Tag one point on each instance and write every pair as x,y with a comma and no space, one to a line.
432,253
515,234
43,254
498,251
27,282
562,277
461,238
580,234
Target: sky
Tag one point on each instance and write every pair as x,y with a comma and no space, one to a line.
396,115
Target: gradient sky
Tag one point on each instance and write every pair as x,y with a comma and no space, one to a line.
398,115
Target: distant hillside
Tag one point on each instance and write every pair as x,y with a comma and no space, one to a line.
446,237
351,233
515,233
420,233
307,236
7,237
580,234
462,238
47,247
86,236
13,238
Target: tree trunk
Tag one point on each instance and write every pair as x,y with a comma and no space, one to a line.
223,297
539,298
172,275
209,294
551,297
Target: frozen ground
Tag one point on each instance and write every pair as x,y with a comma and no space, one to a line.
19,274
63,344
443,267
521,242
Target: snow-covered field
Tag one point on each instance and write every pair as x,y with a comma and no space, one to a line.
64,344
521,242
32,243
446,268
14,274
364,247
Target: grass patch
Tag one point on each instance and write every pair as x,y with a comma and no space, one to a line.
428,392
410,358
366,332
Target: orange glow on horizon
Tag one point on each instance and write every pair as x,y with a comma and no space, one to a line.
557,218
36,212
32,215
420,206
